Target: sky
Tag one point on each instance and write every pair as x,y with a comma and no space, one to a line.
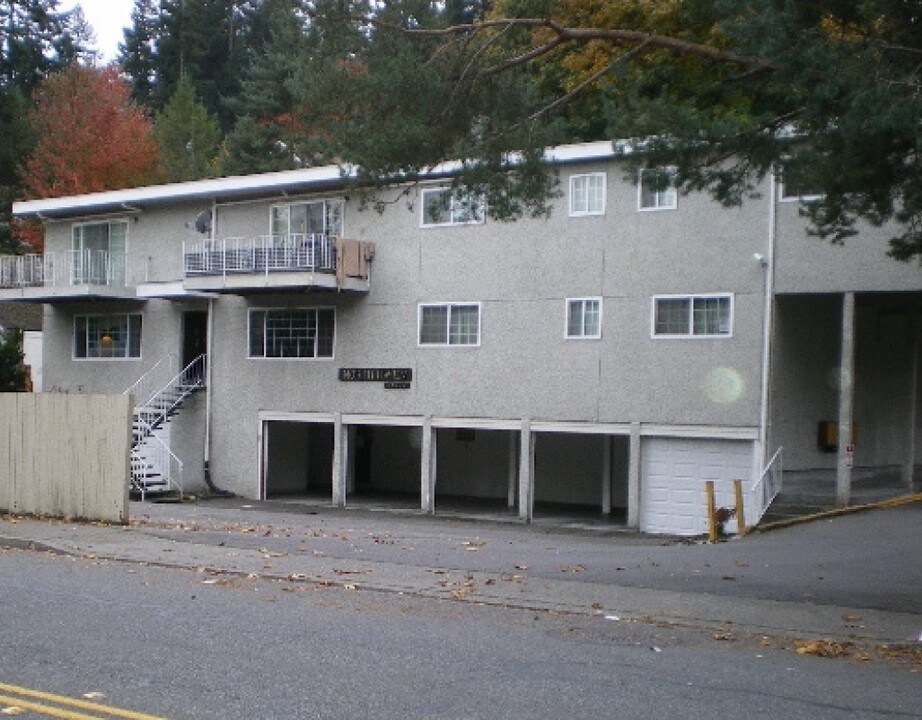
108,18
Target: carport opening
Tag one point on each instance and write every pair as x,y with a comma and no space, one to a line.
582,476
476,470
298,460
385,465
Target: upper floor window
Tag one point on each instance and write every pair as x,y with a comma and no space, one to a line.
292,333
449,206
449,324
587,194
797,185
692,316
107,336
657,189
99,253
584,318
322,217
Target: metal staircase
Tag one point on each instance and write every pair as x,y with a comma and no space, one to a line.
159,394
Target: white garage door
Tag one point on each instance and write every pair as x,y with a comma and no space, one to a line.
672,498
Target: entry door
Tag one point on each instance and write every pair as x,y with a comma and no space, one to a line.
194,335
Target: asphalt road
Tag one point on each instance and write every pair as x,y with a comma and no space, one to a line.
189,643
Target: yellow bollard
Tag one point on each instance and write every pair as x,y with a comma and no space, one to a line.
741,528
712,510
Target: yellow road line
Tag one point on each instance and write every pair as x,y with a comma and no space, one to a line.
66,701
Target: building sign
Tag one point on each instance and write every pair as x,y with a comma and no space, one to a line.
393,378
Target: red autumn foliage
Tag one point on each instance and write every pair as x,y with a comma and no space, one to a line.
90,136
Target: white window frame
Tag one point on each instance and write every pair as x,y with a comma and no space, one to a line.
129,341
666,199
251,312
582,334
460,203
88,268
785,198
690,333
327,214
450,308
581,199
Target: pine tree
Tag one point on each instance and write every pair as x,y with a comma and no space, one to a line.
187,136
138,51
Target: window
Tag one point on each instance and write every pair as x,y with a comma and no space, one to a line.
797,185
322,217
657,190
292,333
587,194
447,206
584,318
449,324
99,253
107,336
693,316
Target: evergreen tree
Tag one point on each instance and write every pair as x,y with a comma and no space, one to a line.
35,39
138,51
12,370
187,136
268,134
17,144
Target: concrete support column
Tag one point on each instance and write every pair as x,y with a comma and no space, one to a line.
340,454
352,431
912,391
513,474
633,478
527,472
427,467
846,401
606,474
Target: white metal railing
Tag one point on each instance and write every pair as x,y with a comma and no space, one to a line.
152,381
67,269
768,485
313,252
155,466
168,396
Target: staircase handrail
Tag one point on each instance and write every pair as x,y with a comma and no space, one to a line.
768,485
152,378
191,376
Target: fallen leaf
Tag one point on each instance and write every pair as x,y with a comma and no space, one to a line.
822,648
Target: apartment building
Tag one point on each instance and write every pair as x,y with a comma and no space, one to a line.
606,360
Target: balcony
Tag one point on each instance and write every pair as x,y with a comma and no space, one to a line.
68,275
277,262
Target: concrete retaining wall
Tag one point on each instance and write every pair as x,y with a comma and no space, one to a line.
65,455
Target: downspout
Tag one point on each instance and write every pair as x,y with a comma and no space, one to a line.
768,319
209,354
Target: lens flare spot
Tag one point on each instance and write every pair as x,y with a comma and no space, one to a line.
723,385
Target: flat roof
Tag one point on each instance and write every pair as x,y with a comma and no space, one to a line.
254,186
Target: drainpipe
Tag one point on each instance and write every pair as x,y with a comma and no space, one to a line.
209,347
768,319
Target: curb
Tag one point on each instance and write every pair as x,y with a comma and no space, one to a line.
835,512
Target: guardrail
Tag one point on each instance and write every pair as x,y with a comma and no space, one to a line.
306,252
68,269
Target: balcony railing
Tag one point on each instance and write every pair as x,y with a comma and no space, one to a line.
263,254
67,269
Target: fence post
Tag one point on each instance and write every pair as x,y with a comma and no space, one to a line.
711,509
741,528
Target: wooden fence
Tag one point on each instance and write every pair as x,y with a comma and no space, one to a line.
65,455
